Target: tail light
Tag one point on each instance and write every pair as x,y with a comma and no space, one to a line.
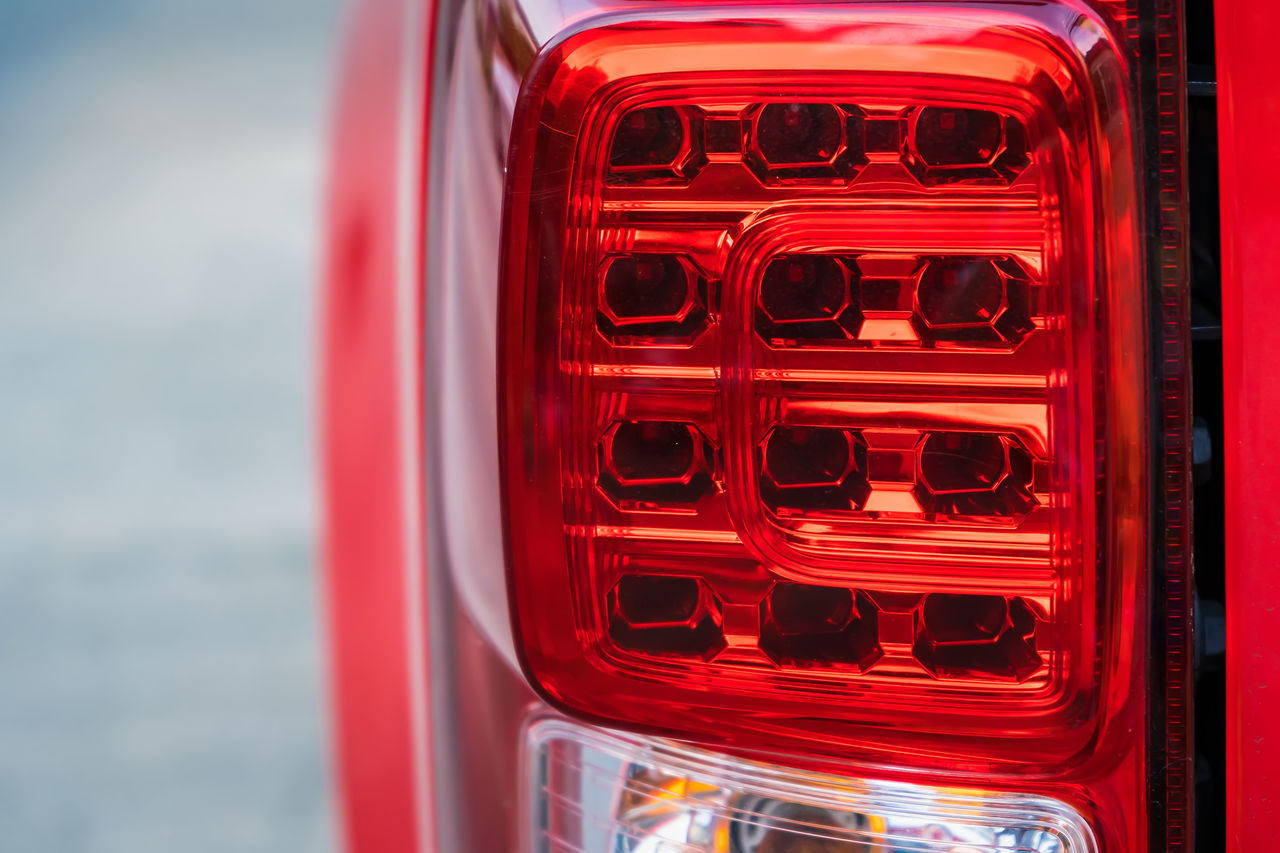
839,350
824,382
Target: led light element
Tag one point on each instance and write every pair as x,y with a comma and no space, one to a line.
823,380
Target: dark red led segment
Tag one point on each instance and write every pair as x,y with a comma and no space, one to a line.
662,614
904,300
804,467
946,145
804,289
972,299
648,137
648,297
809,296
819,626
723,136
655,144
803,382
977,635
816,142
975,474
658,462
803,140
883,135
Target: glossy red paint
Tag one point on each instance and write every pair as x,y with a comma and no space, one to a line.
371,439
1249,136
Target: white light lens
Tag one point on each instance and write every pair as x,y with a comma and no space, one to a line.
594,791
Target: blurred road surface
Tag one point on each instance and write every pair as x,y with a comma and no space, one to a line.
160,677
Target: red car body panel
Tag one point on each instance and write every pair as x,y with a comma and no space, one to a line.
371,440
1248,132
372,405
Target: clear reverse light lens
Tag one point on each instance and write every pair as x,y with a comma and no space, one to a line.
600,792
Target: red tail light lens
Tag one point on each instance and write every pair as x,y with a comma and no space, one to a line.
823,380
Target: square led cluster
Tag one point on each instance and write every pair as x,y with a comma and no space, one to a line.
806,400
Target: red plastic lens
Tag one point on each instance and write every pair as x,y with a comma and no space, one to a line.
823,380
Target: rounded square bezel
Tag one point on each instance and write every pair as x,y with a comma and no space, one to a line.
1029,62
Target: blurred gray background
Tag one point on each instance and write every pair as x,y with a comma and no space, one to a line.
161,183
